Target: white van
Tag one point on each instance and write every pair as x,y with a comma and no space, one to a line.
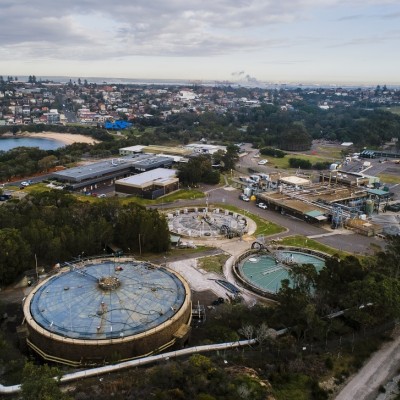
255,178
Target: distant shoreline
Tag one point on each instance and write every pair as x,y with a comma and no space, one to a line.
65,138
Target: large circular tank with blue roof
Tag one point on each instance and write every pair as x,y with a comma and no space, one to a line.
107,309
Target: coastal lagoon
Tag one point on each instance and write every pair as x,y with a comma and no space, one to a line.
8,143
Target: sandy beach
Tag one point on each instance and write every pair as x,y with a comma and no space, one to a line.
66,138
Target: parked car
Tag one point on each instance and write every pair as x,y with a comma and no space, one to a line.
262,205
393,207
244,197
262,162
102,196
25,183
5,197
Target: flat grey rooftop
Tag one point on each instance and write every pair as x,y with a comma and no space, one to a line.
158,174
111,167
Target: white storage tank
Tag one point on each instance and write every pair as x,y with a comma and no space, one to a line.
248,191
333,166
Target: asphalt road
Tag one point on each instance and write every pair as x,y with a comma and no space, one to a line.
340,239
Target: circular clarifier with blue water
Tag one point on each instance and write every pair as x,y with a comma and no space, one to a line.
266,271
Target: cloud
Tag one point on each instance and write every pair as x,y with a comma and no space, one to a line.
394,15
351,17
92,29
369,40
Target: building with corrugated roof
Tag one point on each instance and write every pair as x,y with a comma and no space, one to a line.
151,184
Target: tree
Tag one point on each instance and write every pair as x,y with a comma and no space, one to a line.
47,162
299,163
262,333
198,169
14,255
41,383
304,277
295,138
247,331
229,158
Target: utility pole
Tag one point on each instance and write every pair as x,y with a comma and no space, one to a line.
36,268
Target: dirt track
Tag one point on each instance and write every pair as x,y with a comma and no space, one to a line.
380,367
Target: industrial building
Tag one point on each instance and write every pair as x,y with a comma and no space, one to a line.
345,178
177,151
105,310
90,176
131,150
321,202
205,148
151,184
379,154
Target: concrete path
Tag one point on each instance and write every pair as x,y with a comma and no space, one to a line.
380,368
333,233
199,280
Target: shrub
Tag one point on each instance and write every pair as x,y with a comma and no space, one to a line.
329,363
269,151
299,163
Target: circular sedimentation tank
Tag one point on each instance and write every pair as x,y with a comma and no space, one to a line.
264,271
203,222
107,310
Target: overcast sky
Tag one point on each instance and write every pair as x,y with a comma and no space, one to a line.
338,41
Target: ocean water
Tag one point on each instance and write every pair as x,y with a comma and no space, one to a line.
9,143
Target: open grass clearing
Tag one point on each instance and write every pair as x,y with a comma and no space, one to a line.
329,153
173,253
302,241
213,263
136,132
389,178
264,227
284,162
182,194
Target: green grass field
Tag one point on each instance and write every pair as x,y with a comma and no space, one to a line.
264,227
329,153
182,194
283,163
213,263
302,241
388,178
137,132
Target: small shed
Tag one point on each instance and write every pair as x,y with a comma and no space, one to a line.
175,240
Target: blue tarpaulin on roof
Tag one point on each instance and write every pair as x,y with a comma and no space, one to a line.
117,125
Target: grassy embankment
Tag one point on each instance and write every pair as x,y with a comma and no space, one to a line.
302,241
264,227
213,263
388,178
182,194
319,154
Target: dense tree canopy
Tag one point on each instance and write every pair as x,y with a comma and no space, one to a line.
368,292
198,169
38,383
56,227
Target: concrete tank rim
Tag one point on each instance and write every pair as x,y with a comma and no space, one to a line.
30,321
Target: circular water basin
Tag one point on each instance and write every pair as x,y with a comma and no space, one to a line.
266,271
